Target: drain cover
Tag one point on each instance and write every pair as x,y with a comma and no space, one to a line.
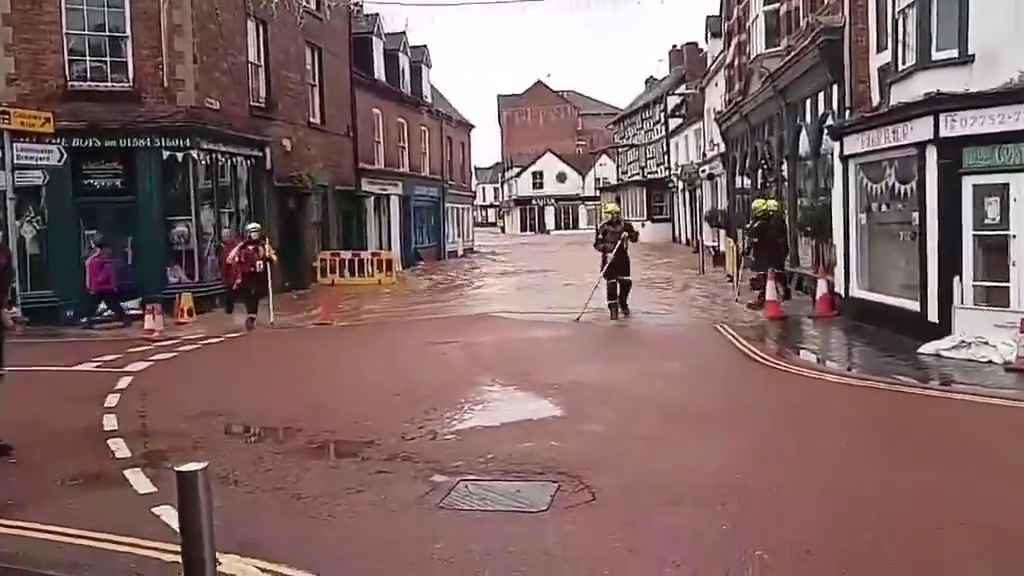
501,496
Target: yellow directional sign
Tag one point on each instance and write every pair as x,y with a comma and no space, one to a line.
26,120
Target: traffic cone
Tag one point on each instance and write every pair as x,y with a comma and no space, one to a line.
1018,363
153,325
772,304
824,300
184,308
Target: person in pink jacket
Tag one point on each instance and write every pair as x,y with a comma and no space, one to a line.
101,283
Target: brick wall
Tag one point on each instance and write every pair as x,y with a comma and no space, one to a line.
859,74
530,129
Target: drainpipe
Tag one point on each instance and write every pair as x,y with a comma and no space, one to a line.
354,110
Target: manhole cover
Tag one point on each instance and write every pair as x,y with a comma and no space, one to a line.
501,496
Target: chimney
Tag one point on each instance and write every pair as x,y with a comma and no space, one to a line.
651,81
695,60
675,58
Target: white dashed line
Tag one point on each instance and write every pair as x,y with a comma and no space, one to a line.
163,343
193,336
188,347
119,448
233,335
107,358
123,382
212,341
145,348
162,356
111,400
137,366
110,422
168,514
86,366
61,369
140,483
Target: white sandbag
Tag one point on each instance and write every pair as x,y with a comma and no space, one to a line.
973,348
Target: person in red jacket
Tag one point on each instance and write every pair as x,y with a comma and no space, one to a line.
229,270
252,260
101,283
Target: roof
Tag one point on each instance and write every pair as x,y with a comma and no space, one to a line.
365,24
655,91
395,41
488,174
420,54
587,104
580,163
442,103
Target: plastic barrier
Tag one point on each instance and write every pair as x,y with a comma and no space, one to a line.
338,267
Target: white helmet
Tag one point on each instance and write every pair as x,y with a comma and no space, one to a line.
253,228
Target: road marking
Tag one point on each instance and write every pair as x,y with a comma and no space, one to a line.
119,448
111,400
233,335
110,422
763,358
163,343
162,356
137,366
62,369
168,514
145,348
193,336
138,546
140,483
86,366
107,358
188,347
123,382
212,341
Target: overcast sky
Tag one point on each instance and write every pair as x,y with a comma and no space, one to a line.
603,48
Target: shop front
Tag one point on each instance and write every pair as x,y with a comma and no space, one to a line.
163,201
424,223
458,209
382,203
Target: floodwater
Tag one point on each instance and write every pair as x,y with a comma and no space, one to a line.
497,404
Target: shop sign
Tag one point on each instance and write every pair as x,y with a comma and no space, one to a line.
102,175
230,148
901,134
39,154
149,141
24,120
983,121
427,191
382,186
995,156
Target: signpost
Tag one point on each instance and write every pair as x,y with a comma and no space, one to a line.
37,122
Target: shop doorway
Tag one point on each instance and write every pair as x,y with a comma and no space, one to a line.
992,243
292,250
116,222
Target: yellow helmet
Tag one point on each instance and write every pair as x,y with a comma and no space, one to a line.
612,209
764,207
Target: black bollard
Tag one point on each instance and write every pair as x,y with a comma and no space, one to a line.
195,517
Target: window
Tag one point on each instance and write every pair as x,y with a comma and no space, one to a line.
772,24
881,25
378,138
424,150
257,56
462,161
538,179
448,161
403,74
313,5
945,29
659,205
403,144
97,43
315,82
906,33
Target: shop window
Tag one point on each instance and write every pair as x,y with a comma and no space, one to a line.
97,43
567,217
659,205
426,228
887,227
991,240
32,229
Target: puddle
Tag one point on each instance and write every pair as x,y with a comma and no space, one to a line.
338,449
257,434
497,404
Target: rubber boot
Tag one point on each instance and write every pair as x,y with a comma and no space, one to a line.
250,323
613,310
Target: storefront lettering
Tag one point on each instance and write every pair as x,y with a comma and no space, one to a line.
117,141
900,134
996,156
984,121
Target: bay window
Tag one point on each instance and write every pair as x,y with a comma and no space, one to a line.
97,43
926,31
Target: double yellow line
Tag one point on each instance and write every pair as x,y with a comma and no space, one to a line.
766,359
162,551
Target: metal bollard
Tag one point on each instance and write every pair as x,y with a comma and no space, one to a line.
195,517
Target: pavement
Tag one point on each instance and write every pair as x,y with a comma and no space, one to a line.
676,449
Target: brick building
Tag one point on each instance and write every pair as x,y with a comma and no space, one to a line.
416,191
181,120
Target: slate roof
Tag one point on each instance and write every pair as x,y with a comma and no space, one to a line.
393,40
442,103
581,163
587,104
488,174
655,91
420,54
365,24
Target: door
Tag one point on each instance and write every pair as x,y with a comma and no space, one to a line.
115,222
292,249
992,243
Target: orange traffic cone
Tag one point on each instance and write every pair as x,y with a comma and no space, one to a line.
772,304
153,325
824,300
1018,363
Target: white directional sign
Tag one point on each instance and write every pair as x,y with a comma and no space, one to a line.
26,154
24,178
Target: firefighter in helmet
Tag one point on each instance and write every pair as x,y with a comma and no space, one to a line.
612,241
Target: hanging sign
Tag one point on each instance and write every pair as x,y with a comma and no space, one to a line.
909,132
995,156
39,154
24,120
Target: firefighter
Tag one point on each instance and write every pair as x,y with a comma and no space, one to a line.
251,259
769,246
612,241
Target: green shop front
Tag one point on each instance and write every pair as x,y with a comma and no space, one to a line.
163,201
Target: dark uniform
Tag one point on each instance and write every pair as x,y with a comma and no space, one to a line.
617,272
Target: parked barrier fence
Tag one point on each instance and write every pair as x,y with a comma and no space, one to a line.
339,267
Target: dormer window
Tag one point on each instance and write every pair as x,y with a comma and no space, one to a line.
421,73
378,59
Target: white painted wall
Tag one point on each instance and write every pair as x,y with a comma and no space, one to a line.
551,165
603,168
838,221
378,59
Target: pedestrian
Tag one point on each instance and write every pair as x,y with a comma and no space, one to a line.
769,247
101,283
229,272
252,259
616,232
6,279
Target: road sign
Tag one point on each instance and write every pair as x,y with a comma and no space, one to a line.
26,120
39,154
27,178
